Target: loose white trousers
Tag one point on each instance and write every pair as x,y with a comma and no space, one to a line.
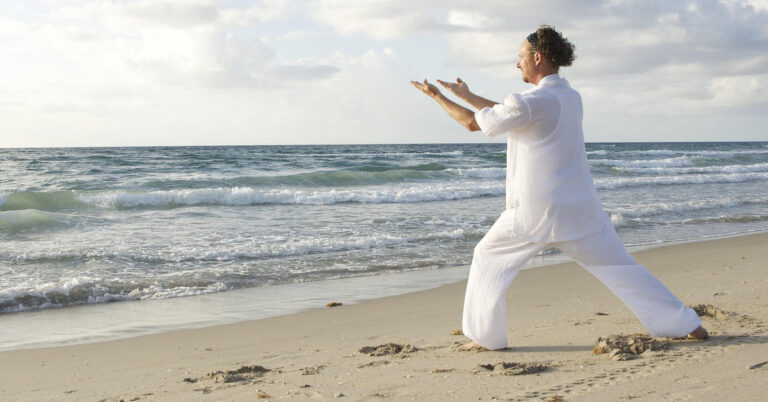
497,260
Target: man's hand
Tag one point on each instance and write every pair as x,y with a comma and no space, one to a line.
460,88
429,89
464,116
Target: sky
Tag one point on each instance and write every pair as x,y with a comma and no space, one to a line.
233,72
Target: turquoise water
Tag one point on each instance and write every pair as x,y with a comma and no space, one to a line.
85,226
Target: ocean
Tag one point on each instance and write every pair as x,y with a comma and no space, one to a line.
82,226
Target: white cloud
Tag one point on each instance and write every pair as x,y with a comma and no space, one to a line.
57,64
330,70
379,19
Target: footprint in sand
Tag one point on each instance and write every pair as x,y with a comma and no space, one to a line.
388,349
243,374
511,368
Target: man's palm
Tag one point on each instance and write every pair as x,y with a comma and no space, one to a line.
426,87
460,88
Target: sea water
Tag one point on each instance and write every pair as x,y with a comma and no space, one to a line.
83,226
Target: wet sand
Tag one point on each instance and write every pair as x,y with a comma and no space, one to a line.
403,347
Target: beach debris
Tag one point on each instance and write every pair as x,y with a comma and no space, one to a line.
333,304
511,368
758,365
262,395
618,355
618,346
555,398
338,395
457,332
388,349
601,313
441,370
244,373
312,370
190,380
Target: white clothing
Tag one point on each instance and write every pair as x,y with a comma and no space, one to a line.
549,185
552,202
499,256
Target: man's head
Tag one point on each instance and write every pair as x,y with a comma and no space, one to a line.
544,52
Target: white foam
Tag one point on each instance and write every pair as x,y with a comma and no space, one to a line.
229,252
91,290
716,153
650,209
755,167
251,196
646,163
619,182
620,220
482,173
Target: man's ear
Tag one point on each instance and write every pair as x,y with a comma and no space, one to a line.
537,58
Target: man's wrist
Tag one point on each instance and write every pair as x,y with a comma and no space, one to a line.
467,97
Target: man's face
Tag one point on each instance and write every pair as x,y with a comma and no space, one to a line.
525,62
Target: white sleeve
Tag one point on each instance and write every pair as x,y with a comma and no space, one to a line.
512,114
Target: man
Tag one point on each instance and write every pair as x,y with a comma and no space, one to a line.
551,200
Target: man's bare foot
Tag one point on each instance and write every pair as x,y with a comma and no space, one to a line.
698,334
471,347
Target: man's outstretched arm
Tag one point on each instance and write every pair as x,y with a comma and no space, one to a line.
464,116
461,90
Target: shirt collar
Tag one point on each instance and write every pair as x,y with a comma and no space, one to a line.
552,80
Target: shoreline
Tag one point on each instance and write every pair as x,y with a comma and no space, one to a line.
101,322
555,315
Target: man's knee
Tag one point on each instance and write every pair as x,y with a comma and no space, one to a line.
480,250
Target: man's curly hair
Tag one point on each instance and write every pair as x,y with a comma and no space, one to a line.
553,47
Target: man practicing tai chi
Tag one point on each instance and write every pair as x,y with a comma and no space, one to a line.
551,201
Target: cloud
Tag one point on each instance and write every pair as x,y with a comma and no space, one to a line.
379,19
57,63
647,47
342,66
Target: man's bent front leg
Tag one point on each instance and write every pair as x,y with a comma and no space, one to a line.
497,260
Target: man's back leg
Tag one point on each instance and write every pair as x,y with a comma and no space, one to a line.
661,312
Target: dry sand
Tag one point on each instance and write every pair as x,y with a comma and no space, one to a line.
402,347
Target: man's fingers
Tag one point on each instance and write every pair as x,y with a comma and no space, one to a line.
459,80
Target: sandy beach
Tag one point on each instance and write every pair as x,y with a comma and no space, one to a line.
556,315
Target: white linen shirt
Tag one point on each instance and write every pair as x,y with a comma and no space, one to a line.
549,187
